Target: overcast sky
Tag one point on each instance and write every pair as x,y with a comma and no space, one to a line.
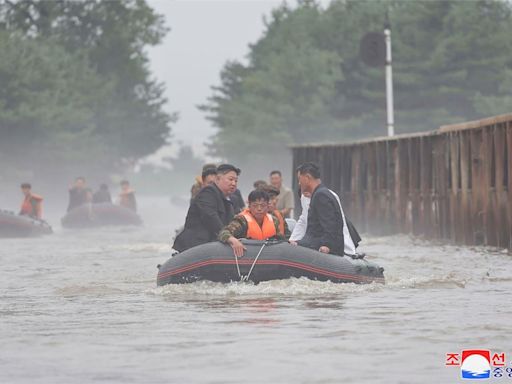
204,35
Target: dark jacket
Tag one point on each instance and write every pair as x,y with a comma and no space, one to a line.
209,212
127,200
102,196
77,197
325,222
238,201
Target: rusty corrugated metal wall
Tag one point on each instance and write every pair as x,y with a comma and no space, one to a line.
454,183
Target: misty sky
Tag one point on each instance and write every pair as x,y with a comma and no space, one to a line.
204,35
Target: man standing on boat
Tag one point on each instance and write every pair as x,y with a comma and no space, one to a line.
324,231
79,194
210,210
32,204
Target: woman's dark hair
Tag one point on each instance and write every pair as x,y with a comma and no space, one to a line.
26,185
309,169
258,194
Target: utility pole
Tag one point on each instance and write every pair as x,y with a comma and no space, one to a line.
389,82
375,51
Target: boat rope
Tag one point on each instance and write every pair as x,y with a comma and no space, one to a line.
246,277
238,268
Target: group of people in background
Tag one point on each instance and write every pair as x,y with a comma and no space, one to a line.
79,194
218,212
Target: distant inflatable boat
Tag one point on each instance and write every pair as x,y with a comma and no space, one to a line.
13,225
99,215
265,261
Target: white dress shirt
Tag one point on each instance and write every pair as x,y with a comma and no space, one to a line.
300,228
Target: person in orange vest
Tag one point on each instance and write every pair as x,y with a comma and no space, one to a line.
127,196
273,194
253,223
32,204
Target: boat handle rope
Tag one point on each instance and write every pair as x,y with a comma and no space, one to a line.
246,277
238,268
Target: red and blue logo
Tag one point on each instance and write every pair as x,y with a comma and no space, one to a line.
480,364
476,364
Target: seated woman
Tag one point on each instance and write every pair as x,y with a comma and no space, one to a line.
252,223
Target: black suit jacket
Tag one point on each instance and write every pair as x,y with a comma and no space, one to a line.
238,201
208,213
325,222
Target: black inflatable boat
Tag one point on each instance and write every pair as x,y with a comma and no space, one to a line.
264,261
99,215
13,225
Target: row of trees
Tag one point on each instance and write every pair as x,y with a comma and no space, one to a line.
304,80
77,95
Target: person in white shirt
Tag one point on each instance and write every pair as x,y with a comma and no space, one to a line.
300,227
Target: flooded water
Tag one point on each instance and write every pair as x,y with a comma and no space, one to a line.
83,306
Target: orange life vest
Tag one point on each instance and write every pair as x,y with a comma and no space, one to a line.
32,206
127,200
254,231
280,218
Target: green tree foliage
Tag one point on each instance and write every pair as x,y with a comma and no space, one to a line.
79,87
45,104
305,81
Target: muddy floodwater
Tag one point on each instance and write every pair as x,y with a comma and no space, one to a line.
83,307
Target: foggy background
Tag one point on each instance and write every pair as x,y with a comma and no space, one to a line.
112,90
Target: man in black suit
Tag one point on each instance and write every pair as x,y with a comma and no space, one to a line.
324,231
210,210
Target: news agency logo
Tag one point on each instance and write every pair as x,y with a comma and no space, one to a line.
478,364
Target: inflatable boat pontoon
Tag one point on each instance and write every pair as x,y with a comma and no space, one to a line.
264,261
13,225
99,215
